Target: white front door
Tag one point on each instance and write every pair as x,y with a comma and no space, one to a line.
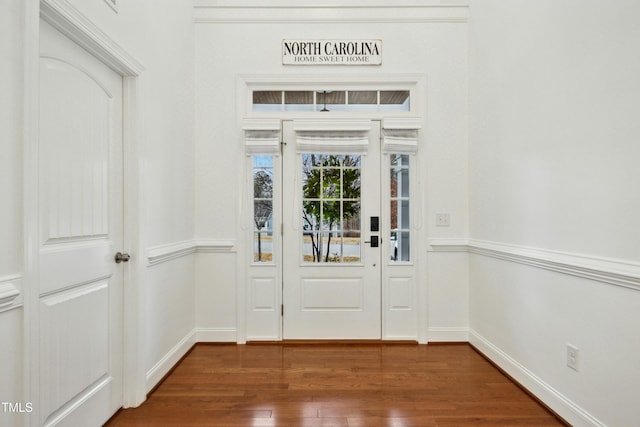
81,228
331,230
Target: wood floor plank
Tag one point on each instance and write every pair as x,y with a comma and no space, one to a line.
336,385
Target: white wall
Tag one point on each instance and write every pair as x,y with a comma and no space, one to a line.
554,166
11,322
233,42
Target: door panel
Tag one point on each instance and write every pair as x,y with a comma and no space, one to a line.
332,294
332,277
81,216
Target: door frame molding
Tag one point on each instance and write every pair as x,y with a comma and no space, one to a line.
73,24
245,83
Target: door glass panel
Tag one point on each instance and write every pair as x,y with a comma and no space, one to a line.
331,208
399,208
262,208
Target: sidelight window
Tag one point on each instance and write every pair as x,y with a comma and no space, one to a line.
399,238
263,208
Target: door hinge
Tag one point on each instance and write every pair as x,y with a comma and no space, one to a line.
282,310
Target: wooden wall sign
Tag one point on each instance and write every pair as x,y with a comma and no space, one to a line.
332,52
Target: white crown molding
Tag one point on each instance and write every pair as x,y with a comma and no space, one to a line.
330,11
10,293
611,271
305,4
561,404
63,16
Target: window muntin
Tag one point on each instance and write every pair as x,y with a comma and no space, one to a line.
400,208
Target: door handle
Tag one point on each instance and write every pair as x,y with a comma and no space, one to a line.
375,241
120,257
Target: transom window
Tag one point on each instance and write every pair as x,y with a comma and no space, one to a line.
331,100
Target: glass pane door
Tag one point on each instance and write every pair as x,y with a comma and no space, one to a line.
331,270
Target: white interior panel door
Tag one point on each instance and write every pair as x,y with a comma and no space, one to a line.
81,223
331,195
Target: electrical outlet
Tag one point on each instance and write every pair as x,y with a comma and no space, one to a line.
443,220
572,357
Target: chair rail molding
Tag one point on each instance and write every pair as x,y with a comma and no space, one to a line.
611,271
164,253
215,246
168,252
10,292
449,245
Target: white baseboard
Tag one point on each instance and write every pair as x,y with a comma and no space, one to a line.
216,335
155,374
448,334
551,397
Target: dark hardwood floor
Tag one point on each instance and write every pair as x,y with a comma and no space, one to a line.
338,385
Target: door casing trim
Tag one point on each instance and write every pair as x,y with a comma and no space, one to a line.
409,121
